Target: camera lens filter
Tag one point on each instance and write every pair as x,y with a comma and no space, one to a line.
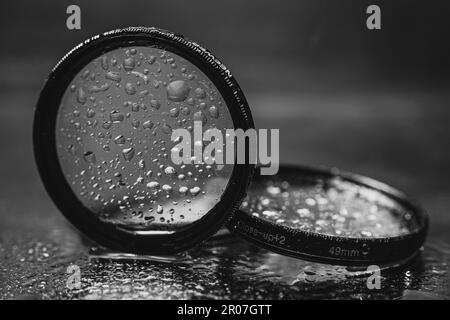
103,140
329,216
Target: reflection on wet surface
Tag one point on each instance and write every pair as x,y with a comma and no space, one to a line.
35,267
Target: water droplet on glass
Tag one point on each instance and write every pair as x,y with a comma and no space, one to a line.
155,104
147,124
128,153
81,96
116,116
200,93
129,64
130,89
89,157
177,90
214,112
194,191
120,140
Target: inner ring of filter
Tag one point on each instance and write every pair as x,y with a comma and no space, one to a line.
329,216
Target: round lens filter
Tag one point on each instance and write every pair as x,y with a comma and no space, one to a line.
103,140
330,216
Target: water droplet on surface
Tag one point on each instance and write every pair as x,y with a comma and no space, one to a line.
106,125
116,116
135,123
214,112
174,112
130,88
183,190
128,153
147,124
153,185
120,140
142,164
129,64
194,191
89,157
166,128
81,96
170,170
177,91
155,104
200,93
113,76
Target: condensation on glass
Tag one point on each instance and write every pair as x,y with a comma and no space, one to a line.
113,137
332,207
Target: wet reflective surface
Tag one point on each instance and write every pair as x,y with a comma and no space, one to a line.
34,265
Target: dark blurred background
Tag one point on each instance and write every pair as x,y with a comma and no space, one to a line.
376,102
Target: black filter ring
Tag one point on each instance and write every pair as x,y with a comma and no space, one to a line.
322,248
45,151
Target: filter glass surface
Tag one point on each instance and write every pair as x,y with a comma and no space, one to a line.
113,137
333,207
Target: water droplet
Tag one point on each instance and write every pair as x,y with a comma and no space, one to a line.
89,157
194,191
147,124
116,116
169,170
153,185
104,62
151,60
106,125
129,64
200,93
81,96
120,140
100,88
114,76
135,123
214,112
130,88
135,107
142,164
155,104
177,91
174,112
185,110
128,153
183,190
90,113
310,202
166,128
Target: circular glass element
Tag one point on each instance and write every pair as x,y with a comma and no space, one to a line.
328,215
113,136
121,140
